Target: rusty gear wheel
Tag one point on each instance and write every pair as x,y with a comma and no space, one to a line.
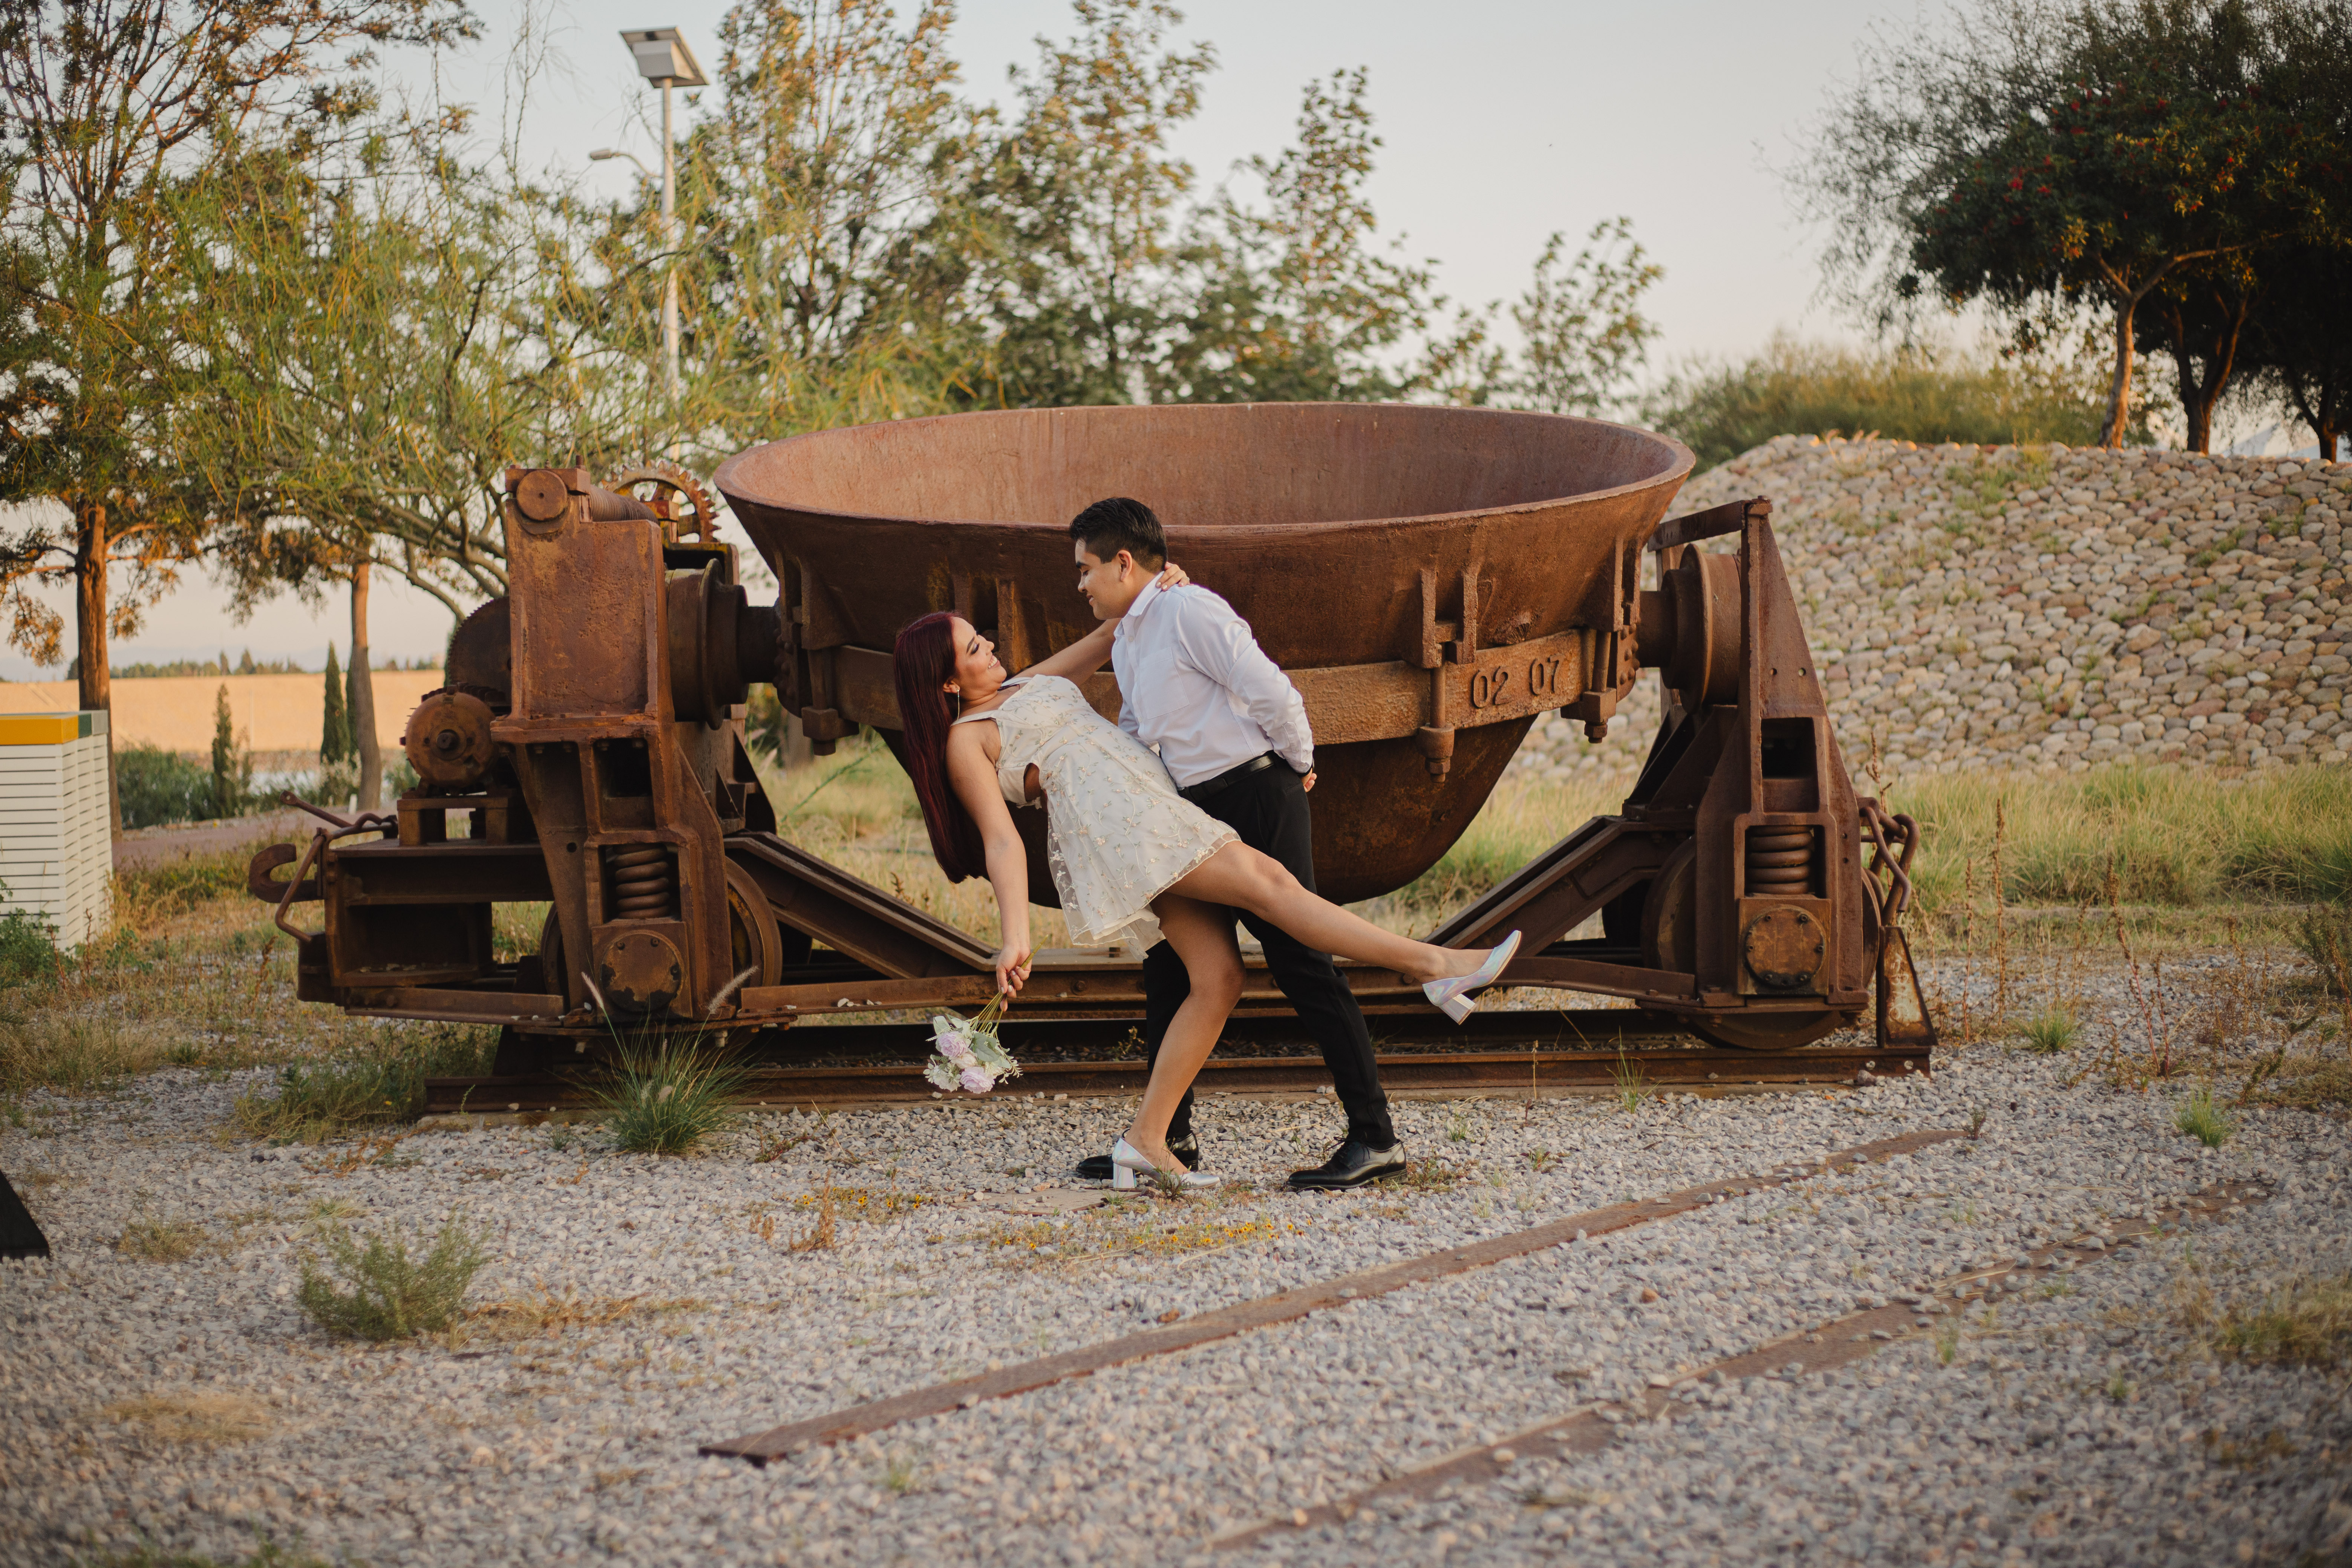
667,481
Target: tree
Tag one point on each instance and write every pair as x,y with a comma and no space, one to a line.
2053,151
231,768
826,279
1289,302
1077,207
2197,318
1582,327
335,733
2301,337
105,105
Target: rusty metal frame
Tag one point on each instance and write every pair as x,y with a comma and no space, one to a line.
626,646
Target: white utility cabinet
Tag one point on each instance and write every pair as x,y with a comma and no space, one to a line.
57,849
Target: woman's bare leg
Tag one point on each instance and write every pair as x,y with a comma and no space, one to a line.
1241,877
1204,939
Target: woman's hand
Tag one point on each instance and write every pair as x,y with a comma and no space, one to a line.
1013,964
1173,577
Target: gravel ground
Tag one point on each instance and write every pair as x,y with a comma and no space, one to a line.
191,1404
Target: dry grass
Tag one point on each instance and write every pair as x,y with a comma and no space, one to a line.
374,1076
1109,1234
2175,838
154,1240
202,1418
2304,1321
545,1311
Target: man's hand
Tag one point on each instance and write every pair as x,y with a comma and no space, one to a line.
1307,782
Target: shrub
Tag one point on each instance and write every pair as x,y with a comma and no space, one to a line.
380,1291
667,1093
2325,935
28,951
1908,395
380,1079
157,786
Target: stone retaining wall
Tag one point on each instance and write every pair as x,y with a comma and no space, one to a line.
2046,609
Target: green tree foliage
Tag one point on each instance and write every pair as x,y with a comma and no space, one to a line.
1583,324
822,257
232,766
1289,302
1905,394
335,733
1078,208
106,107
158,787
2038,155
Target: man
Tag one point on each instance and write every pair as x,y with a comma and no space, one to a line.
1195,686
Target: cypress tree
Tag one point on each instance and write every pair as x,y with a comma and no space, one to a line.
225,770
335,737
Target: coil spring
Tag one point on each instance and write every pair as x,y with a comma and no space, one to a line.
644,882
1780,861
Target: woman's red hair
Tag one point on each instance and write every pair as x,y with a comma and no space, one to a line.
923,663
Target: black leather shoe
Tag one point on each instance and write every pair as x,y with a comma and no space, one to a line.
1351,1164
1096,1167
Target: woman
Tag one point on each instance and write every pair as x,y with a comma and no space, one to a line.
1133,859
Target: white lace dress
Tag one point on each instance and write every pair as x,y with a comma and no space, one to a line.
1118,834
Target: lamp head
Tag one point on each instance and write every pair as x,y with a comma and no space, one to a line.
663,57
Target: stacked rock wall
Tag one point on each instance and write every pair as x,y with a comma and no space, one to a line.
2047,609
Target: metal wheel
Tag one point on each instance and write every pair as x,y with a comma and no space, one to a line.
1669,941
667,481
752,940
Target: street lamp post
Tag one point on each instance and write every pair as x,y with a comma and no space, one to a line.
664,60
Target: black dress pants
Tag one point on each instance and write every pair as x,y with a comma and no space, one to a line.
1268,809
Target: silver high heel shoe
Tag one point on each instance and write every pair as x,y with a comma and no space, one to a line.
1452,997
1126,1160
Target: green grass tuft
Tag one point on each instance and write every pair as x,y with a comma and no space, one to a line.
2202,1119
380,1081
2053,1029
381,1291
666,1094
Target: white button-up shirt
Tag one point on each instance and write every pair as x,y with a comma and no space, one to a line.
1194,686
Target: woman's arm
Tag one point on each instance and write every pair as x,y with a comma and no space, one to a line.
1092,651
973,775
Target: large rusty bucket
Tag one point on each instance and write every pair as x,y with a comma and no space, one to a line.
1433,579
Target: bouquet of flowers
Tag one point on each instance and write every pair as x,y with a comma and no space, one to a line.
971,1056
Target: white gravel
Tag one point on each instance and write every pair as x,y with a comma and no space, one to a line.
2086,1428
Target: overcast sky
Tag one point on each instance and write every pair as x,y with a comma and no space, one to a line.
1503,120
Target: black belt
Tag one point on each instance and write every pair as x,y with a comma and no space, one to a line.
1230,776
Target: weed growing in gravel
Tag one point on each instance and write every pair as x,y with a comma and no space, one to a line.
901,1474
1436,1175
2324,935
1113,1233
819,1237
154,1240
1947,1341
1457,1127
2306,1322
381,1291
200,1416
2202,1119
2053,1029
666,1094
1633,1085
546,1312
377,1079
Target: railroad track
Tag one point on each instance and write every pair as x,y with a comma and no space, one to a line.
1538,1052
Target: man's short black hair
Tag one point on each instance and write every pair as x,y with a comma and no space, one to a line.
1110,526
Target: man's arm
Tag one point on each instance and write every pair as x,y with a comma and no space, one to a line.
1219,643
